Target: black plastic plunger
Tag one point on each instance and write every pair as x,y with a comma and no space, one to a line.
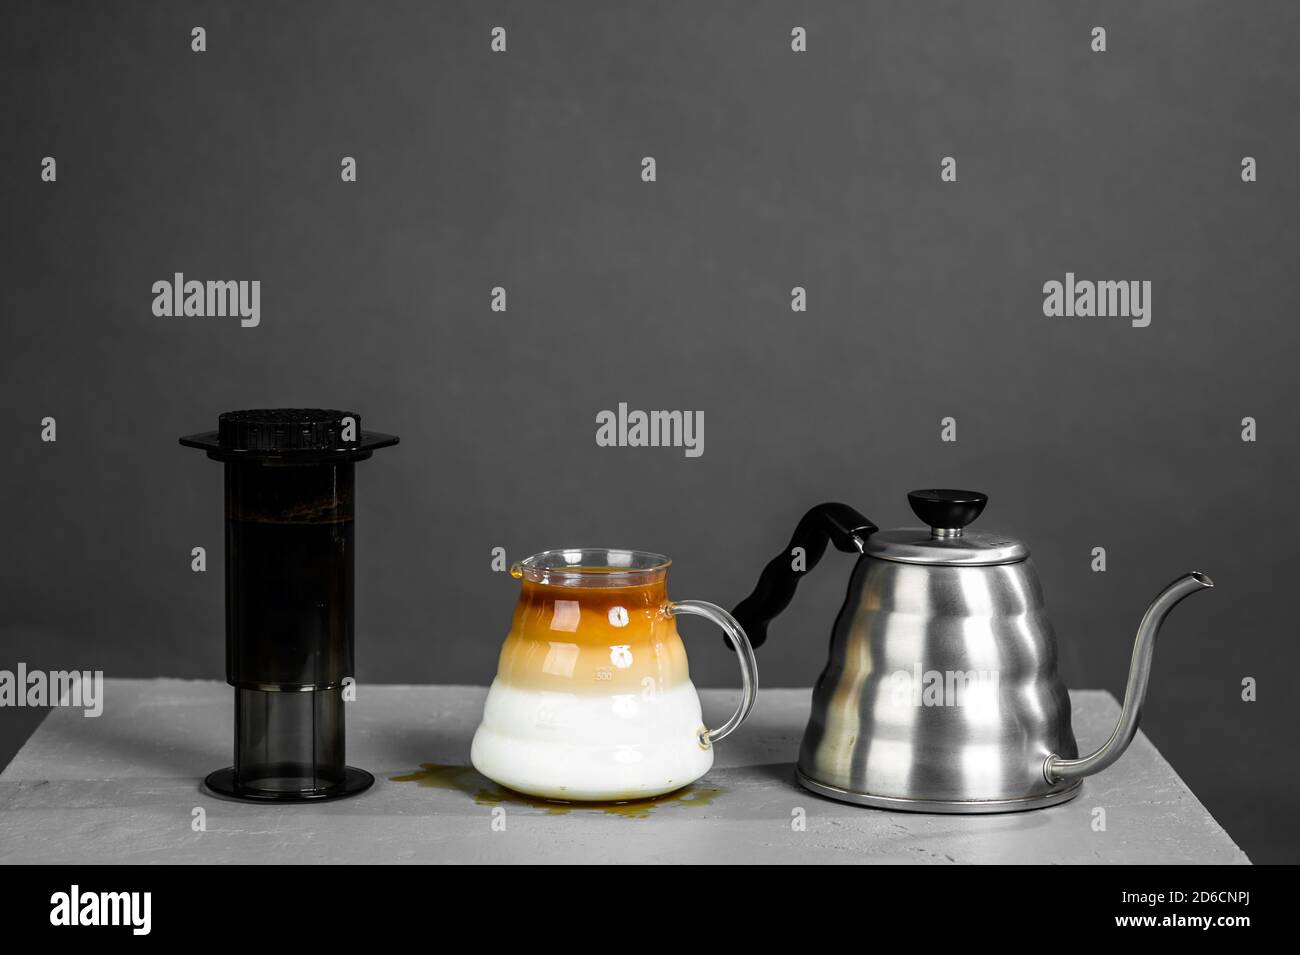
289,572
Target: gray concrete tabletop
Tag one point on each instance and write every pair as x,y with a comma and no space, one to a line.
126,787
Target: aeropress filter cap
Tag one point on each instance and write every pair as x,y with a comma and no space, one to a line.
289,596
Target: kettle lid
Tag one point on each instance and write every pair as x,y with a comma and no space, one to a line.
945,541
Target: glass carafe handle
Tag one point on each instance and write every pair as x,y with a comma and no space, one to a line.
744,653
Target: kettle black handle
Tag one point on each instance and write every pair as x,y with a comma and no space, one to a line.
839,524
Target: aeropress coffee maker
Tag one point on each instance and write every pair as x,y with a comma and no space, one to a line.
289,574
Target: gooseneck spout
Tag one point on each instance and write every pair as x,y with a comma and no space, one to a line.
1057,769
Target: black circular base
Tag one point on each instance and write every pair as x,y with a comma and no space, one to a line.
223,783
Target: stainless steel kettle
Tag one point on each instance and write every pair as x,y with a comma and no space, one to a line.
941,693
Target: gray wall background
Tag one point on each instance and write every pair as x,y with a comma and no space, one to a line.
775,170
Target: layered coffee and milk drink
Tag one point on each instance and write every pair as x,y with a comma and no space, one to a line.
593,698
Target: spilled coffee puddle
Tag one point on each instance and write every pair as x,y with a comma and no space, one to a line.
485,793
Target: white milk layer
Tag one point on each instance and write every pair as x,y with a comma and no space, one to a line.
578,747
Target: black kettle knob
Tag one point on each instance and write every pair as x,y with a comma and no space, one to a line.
946,508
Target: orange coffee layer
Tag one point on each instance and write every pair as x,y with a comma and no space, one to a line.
593,640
